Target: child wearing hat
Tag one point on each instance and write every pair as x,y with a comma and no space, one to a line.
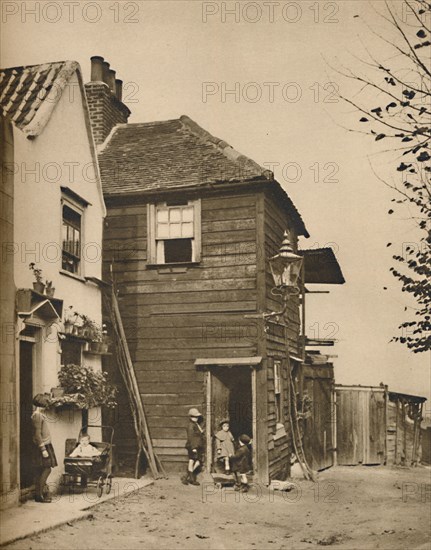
195,446
224,442
240,463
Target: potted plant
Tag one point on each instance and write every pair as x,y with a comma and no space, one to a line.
106,341
72,321
69,320
96,338
38,285
85,387
49,289
57,392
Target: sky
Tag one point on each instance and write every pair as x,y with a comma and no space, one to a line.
262,76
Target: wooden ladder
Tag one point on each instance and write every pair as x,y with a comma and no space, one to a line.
127,371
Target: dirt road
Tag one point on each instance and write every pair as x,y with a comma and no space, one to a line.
350,508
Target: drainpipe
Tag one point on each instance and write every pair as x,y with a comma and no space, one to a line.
303,309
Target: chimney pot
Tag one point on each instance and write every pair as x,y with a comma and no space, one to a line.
119,89
96,68
111,80
106,72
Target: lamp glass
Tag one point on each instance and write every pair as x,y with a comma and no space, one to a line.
285,269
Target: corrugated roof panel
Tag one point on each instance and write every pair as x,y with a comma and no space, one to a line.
322,267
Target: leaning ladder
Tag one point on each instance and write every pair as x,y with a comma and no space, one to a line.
127,371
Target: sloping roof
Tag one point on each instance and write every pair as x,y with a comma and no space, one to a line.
395,396
29,94
168,154
176,154
322,267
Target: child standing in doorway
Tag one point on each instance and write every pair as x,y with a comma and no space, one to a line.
224,442
195,446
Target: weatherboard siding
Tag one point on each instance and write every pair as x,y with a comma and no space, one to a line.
171,319
280,342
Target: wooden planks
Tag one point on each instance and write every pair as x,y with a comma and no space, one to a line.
361,428
172,317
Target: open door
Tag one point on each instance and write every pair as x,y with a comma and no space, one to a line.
26,354
230,395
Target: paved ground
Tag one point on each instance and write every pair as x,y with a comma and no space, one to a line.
31,517
354,508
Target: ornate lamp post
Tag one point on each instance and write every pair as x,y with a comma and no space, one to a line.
286,267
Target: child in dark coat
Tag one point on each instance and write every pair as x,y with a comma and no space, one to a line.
195,447
241,463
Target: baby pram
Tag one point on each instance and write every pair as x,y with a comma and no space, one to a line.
82,472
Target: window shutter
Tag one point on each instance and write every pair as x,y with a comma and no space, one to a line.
198,230
277,383
151,233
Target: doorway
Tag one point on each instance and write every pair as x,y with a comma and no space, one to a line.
230,395
26,365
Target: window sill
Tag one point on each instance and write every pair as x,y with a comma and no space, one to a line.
173,268
280,432
72,276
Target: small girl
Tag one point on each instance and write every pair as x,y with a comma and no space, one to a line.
44,455
241,464
195,446
225,448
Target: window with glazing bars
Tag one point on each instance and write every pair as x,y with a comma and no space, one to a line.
174,233
71,240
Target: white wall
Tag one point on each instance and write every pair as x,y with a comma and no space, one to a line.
60,156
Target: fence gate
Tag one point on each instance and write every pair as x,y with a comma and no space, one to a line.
361,425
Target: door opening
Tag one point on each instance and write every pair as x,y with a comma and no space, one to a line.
230,397
26,354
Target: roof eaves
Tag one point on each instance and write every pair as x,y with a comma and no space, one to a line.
227,150
48,104
190,187
298,221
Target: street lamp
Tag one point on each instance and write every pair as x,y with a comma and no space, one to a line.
286,267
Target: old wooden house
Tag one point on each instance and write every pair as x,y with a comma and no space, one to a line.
191,224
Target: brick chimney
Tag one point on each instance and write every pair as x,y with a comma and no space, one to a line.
104,97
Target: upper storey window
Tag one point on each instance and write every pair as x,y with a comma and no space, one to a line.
174,232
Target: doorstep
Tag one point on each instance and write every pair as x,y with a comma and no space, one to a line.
32,517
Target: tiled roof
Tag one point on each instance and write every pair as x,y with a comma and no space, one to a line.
172,153
29,94
143,157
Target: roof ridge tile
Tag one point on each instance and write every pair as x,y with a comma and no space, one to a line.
227,149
